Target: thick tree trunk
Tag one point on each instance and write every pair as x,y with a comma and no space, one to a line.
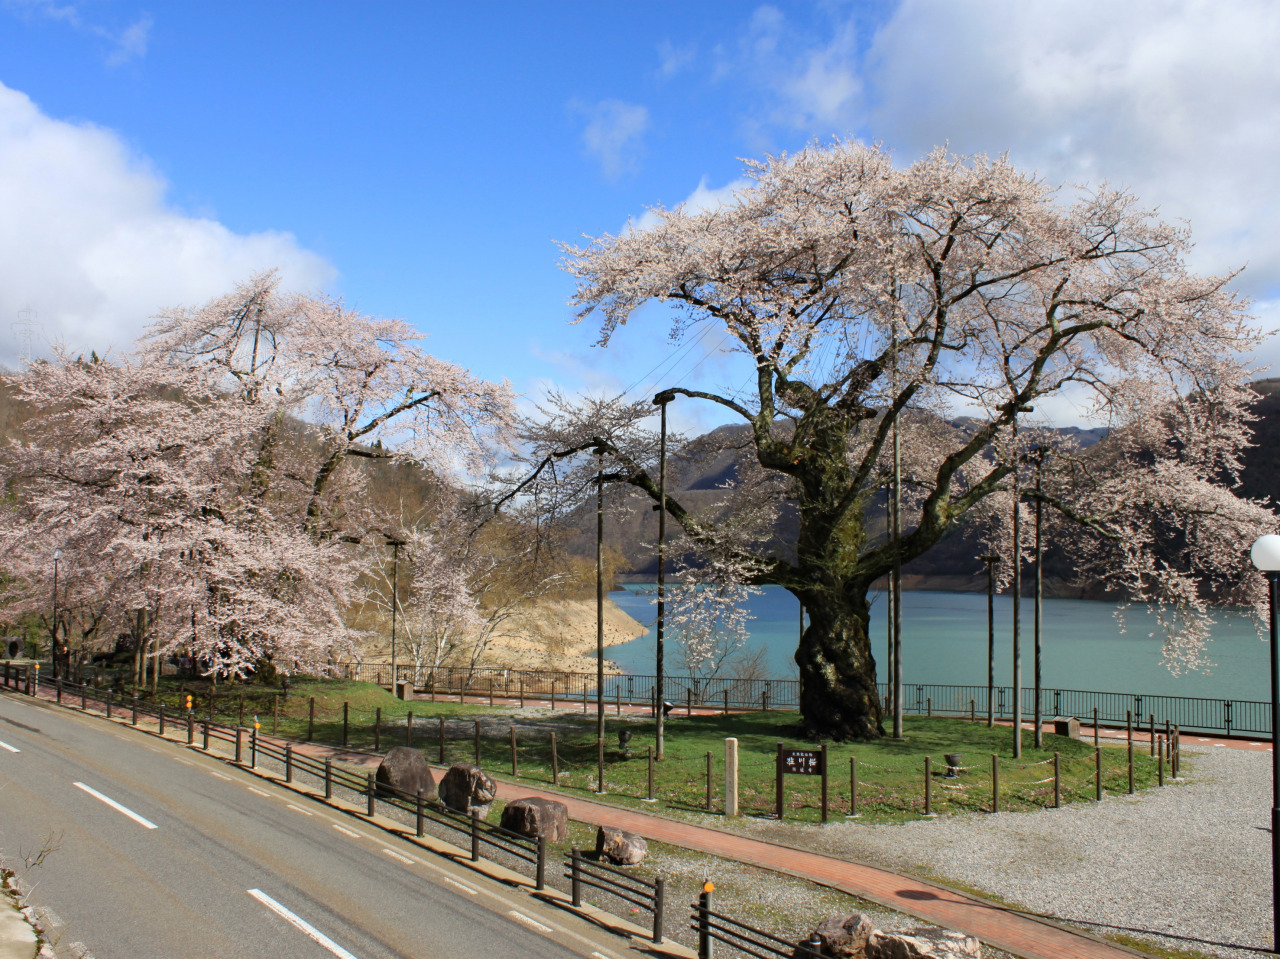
838,697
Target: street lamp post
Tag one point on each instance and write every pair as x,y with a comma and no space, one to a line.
53,631
1266,557
991,560
600,624
1039,596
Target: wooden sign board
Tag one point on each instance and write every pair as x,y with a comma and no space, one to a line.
804,762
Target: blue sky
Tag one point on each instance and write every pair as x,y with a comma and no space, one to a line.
420,160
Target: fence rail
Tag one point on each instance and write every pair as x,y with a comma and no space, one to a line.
1194,714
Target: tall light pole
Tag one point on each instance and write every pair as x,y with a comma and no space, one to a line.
396,543
53,632
991,560
1039,599
1266,557
662,399
599,623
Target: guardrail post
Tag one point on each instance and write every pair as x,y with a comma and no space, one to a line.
705,947
420,809
540,876
995,783
659,894
253,747
328,778
311,720
84,697
371,789
161,710
346,723
288,762
191,730
1160,762
1153,733
1057,781
1097,769
57,685
649,748
206,735
239,737
813,945
575,877
134,720
475,834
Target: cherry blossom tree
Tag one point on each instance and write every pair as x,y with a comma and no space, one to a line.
869,299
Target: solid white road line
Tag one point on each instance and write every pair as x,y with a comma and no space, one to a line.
12,749
532,923
395,855
116,806
301,924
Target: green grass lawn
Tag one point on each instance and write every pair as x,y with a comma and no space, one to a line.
890,775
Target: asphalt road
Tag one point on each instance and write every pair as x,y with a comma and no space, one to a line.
198,860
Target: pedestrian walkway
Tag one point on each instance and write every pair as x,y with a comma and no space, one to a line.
995,924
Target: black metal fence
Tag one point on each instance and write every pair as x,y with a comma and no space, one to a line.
1232,717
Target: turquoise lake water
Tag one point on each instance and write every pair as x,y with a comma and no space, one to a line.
944,640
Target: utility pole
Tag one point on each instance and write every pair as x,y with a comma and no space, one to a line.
1039,599
662,399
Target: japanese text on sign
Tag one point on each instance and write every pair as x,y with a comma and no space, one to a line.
806,762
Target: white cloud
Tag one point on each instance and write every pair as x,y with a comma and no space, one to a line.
88,241
702,198
124,45
673,59
613,132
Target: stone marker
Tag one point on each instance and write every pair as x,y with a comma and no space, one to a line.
845,937
406,769
1067,727
465,787
929,942
620,847
535,817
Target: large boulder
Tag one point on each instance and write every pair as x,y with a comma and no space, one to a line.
466,787
534,817
844,937
929,942
405,769
620,847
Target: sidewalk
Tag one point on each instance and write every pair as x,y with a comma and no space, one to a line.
997,925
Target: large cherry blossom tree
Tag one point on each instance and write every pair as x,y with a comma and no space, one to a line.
869,300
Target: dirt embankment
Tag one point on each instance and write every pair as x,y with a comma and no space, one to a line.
559,634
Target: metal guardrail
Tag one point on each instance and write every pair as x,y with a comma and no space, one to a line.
1231,717
639,892
715,926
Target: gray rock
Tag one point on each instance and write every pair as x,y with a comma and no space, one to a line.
845,937
535,817
929,942
405,769
620,847
466,787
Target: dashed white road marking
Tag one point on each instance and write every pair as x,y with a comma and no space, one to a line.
12,749
258,791
301,924
185,762
395,855
116,806
219,775
299,809
461,885
346,832
531,923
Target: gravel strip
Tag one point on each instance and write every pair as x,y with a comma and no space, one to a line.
1187,866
